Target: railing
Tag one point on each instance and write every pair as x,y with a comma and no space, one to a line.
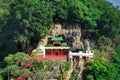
80,53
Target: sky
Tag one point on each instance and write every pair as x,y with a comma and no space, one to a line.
115,2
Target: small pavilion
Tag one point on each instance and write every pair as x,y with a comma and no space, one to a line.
57,47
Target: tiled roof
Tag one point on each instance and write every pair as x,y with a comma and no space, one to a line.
57,39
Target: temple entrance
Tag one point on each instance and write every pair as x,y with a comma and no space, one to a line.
56,52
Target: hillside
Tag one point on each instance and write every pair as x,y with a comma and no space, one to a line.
85,24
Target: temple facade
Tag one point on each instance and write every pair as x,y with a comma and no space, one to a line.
57,47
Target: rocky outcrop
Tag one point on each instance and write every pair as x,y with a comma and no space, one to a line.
73,34
87,44
75,38
56,30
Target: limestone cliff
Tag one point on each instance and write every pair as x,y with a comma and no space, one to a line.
74,35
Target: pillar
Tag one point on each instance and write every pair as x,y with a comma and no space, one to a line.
51,52
61,52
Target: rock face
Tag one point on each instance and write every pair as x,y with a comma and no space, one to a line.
56,30
73,34
75,38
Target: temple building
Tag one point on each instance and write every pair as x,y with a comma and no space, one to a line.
57,47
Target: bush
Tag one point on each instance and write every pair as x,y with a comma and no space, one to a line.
67,66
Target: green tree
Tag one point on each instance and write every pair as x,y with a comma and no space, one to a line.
73,76
108,23
105,44
89,77
102,68
67,66
116,58
4,12
28,22
96,69
15,66
101,56
60,8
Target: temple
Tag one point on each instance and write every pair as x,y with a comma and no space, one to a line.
57,48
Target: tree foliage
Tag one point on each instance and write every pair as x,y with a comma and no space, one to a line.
24,22
100,69
14,64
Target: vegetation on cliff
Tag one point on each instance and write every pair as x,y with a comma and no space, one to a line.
16,66
102,69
